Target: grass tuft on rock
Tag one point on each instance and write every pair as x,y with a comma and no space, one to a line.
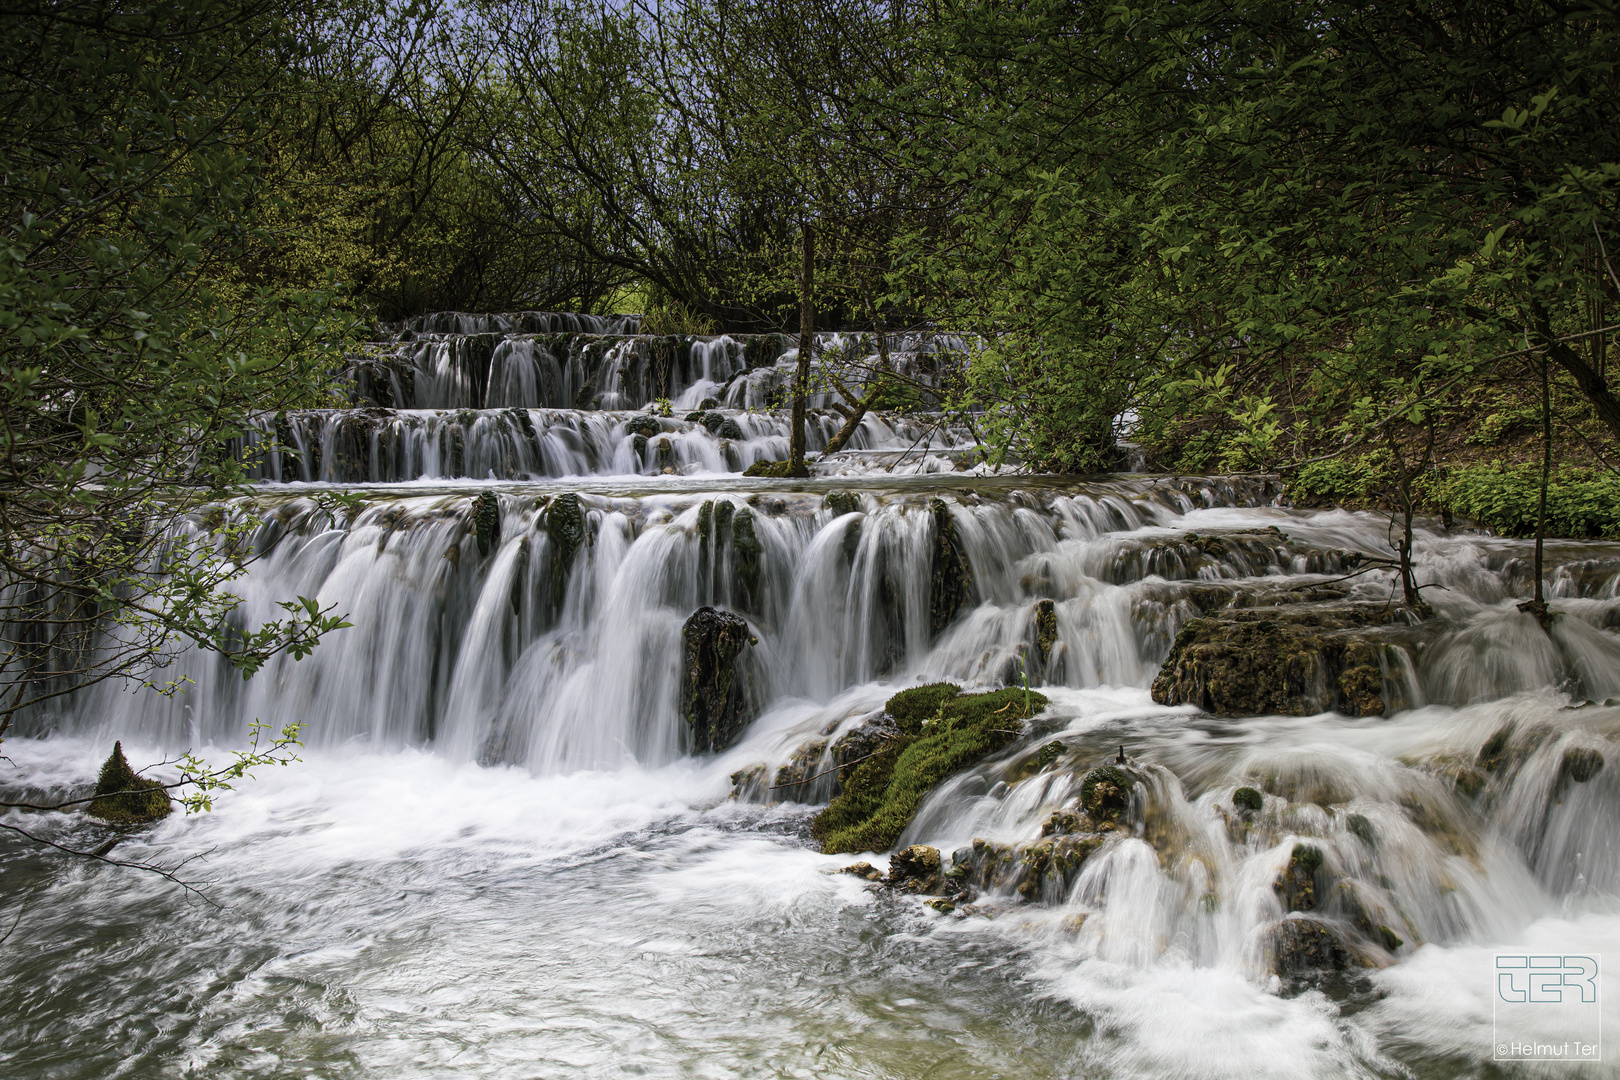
942,731
124,797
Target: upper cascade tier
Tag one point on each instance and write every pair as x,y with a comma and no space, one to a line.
381,446
547,360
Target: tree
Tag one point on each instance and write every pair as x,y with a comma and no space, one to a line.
133,149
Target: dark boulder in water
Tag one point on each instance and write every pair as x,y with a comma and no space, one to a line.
1291,661
714,699
124,797
842,502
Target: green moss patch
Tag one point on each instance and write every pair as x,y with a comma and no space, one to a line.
942,731
124,797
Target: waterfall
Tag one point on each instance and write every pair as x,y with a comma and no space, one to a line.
505,728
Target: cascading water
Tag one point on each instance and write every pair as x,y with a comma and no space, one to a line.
502,855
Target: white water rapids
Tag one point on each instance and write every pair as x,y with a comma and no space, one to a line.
498,857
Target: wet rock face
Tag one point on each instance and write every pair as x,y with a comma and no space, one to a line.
1287,661
565,525
713,697
487,521
1307,946
948,585
1580,764
1046,630
124,797
1296,885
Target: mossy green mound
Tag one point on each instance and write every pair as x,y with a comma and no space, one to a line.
124,797
775,470
941,731
1247,798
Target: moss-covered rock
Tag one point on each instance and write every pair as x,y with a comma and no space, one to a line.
842,502
1105,793
1247,798
1292,661
776,470
950,576
916,869
487,521
645,425
1046,630
747,557
1296,885
1049,753
1581,763
565,525
714,699
1361,829
730,429
939,731
124,797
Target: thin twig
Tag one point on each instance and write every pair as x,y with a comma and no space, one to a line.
99,855
835,768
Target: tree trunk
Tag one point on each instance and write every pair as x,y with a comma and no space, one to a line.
807,333
1587,377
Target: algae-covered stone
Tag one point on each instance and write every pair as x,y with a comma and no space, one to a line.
863,870
565,525
842,502
730,429
124,797
713,697
1046,629
487,521
1581,763
1361,829
1105,793
746,556
950,576
644,425
1247,798
776,470
1049,753
1296,885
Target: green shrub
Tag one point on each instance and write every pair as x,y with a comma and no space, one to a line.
942,732
1505,498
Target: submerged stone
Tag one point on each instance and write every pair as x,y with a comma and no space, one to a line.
1046,629
714,700
123,796
747,552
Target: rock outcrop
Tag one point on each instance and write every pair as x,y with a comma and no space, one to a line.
714,698
1292,661
950,578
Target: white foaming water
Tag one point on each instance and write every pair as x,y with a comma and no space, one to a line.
500,858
